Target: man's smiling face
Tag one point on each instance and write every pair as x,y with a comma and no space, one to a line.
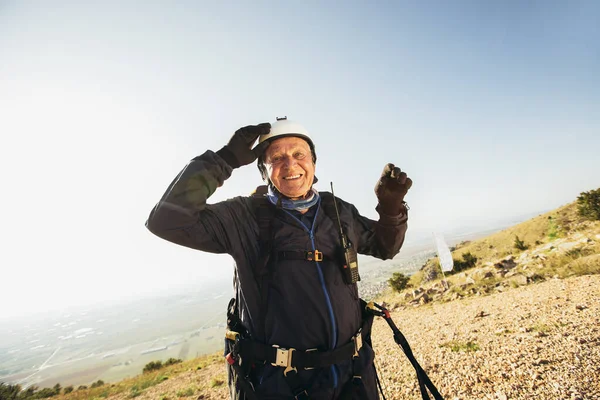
290,166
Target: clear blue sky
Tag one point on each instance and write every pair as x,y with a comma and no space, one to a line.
493,109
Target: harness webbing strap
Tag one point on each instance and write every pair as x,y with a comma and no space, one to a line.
295,384
302,255
245,384
252,350
265,214
424,381
262,271
327,200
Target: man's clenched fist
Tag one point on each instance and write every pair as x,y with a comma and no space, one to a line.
391,189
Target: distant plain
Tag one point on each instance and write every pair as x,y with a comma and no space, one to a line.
114,342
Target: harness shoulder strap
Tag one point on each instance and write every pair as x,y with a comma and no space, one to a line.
265,213
327,202
262,270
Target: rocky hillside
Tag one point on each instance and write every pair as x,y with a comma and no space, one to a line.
557,244
539,341
522,323
536,341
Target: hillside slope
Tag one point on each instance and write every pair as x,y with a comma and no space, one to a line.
543,229
521,324
539,341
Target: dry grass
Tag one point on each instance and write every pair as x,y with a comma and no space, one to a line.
541,230
457,346
536,231
565,267
539,233
136,386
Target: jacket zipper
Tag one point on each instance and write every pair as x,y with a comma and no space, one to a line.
325,292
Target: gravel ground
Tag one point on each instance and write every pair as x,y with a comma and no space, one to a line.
539,341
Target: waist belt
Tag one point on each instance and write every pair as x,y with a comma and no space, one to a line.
292,359
249,352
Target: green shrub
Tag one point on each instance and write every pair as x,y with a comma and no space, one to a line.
68,389
519,244
468,261
553,229
28,393
134,392
172,361
186,393
153,366
96,384
398,281
457,346
588,205
9,392
215,382
44,393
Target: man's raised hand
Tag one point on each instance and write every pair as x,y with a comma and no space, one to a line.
391,189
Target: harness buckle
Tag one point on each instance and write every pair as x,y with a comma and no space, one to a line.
314,256
283,358
357,339
310,351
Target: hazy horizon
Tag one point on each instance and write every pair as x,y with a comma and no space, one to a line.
225,283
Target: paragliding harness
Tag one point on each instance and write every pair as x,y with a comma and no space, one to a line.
243,353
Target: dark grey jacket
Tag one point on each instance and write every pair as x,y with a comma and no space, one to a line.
309,305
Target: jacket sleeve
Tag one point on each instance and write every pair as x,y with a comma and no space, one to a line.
182,215
381,239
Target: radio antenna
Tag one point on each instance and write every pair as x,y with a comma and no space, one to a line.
337,213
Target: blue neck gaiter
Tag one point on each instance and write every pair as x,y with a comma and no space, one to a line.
279,200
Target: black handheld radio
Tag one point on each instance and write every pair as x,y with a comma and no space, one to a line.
350,267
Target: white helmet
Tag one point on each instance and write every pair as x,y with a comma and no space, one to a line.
284,127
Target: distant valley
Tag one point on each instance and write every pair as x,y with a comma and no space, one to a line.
111,343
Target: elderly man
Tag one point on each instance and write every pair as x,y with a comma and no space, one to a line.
297,327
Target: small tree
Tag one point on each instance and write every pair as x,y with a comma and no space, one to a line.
398,281
68,389
519,244
588,204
